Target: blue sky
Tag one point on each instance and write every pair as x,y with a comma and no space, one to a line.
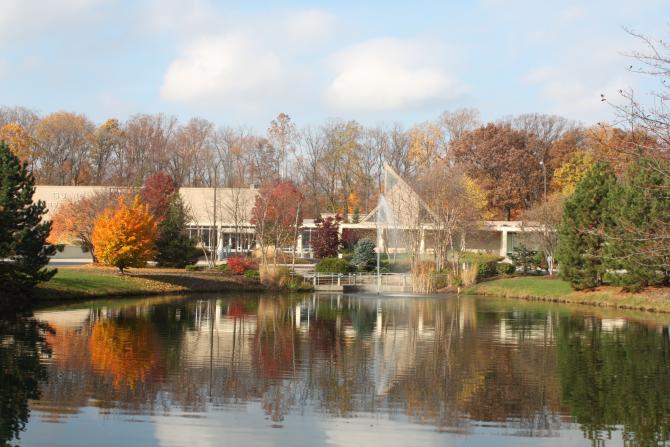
241,63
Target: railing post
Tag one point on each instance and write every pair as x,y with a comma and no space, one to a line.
339,279
314,279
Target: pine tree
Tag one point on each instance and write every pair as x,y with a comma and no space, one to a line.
641,212
175,247
24,251
586,218
364,257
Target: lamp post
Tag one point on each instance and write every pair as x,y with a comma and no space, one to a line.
544,174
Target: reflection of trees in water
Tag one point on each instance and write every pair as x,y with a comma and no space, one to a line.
616,378
440,362
22,344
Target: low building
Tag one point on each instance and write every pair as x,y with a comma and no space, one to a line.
227,212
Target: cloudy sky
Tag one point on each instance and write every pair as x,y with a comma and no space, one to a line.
241,62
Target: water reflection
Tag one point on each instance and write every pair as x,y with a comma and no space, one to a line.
457,366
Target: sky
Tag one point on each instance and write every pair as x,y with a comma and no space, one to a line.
242,63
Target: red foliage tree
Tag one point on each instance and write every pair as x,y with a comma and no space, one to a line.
326,238
277,215
157,193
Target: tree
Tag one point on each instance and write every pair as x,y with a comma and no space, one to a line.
640,208
365,256
19,140
541,224
174,246
501,160
277,215
586,217
107,151
569,174
125,237
24,251
64,142
282,134
157,194
74,222
326,237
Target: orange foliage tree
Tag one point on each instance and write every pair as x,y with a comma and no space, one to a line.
125,237
74,222
18,139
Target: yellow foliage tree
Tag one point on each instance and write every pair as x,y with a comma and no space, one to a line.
18,139
569,174
425,144
125,237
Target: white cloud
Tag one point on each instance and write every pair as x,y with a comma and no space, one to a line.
573,84
310,25
389,74
22,18
220,68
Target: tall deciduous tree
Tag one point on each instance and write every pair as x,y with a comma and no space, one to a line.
74,222
24,251
157,194
326,237
277,216
586,219
541,227
20,142
500,159
125,237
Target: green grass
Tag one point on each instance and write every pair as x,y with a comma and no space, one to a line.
85,283
523,286
71,283
554,289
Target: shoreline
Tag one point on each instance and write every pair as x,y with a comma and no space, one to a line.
656,300
92,282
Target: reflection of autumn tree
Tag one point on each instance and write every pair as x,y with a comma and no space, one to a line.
22,343
127,349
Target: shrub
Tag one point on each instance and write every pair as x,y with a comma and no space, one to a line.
239,264
423,277
252,274
193,268
223,268
524,258
364,257
471,257
332,265
275,276
503,268
487,269
469,274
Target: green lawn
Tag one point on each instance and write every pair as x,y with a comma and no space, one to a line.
91,283
554,289
523,286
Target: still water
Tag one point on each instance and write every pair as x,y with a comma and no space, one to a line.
326,370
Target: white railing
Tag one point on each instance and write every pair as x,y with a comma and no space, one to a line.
353,279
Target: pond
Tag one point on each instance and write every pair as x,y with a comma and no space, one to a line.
332,370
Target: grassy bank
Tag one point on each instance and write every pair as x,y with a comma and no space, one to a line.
557,290
92,282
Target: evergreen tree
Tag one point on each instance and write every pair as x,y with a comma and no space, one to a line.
24,251
175,246
586,218
641,212
364,257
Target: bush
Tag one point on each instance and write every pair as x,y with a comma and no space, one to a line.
364,257
275,276
503,268
252,274
487,269
332,265
524,258
223,268
239,264
193,268
472,257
